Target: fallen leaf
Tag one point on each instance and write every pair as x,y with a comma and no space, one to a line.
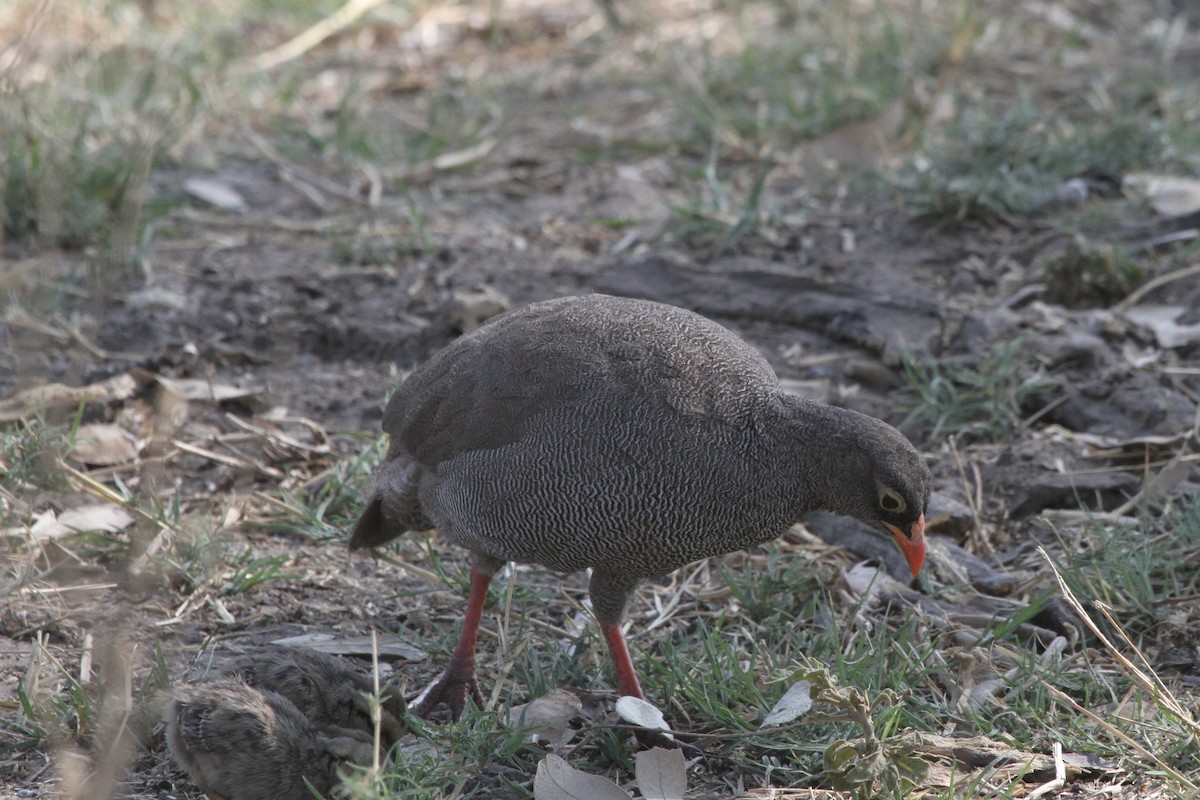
216,193
558,780
660,773
639,712
549,716
103,445
104,517
48,526
795,702
1169,195
1164,322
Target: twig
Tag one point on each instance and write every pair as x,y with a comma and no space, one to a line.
376,704
1150,681
298,176
1116,732
428,575
305,41
1160,484
1060,776
974,499
85,659
1149,286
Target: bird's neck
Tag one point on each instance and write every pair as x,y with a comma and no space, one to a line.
818,447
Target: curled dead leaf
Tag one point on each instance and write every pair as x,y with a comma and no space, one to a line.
55,399
637,711
549,717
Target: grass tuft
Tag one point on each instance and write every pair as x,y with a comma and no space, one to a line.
980,403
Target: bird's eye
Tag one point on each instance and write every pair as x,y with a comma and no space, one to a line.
892,502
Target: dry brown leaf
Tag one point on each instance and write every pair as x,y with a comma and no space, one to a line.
661,774
102,444
558,780
549,716
856,147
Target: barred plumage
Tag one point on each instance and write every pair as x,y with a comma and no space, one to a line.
626,436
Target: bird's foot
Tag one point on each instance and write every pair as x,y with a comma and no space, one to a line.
452,687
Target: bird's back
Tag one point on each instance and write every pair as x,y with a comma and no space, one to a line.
483,390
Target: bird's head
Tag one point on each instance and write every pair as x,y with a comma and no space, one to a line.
887,485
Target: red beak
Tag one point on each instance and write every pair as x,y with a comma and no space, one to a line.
912,543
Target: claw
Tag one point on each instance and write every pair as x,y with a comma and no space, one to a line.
452,687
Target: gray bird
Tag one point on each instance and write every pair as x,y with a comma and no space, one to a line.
326,690
242,743
623,436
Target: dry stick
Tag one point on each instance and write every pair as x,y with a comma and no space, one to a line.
377,702
85,660
1151,683
1150,286
412,569
1117,733
312,37
973,499
1169,475
1060,776
308,183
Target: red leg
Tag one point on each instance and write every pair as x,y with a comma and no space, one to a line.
627,682
458,679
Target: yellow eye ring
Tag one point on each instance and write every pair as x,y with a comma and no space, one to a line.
891,502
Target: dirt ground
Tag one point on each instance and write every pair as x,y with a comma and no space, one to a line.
304,306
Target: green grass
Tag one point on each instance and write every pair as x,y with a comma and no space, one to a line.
1138,571
327,508
1089,274
80,148
819,67
446,762
995,168
974,402
719,212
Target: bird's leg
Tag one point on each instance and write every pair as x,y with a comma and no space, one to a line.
627,681
458,679
610,594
